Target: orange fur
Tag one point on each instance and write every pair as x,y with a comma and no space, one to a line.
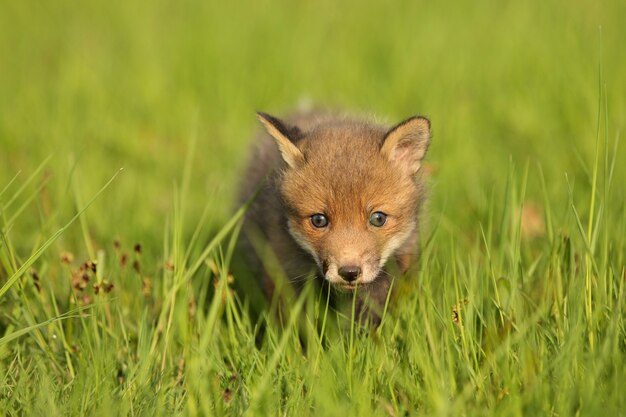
345,169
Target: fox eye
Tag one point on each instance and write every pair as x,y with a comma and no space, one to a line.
319,220
378,219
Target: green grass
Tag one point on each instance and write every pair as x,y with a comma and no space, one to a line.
527,102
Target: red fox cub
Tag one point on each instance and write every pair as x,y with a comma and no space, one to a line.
342,195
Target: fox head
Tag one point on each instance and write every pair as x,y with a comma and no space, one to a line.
350,191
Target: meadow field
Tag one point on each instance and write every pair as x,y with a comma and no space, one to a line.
124,129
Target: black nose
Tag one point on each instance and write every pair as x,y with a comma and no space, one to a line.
349,273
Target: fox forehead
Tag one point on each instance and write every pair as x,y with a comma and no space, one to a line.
346,175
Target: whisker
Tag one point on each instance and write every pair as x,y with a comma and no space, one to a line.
301,277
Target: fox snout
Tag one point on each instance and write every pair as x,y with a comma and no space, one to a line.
349,273
347,270
349,276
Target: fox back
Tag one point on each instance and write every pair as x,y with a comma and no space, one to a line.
337,194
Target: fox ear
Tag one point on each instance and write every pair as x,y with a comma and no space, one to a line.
284,136
406,143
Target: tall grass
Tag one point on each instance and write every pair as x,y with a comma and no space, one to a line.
119,291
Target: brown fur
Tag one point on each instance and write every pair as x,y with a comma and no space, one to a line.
345,169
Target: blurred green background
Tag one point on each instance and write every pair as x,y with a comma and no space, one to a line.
101,86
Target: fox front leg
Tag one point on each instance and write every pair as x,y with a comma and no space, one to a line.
371,301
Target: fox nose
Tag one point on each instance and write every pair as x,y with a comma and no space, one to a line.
350,272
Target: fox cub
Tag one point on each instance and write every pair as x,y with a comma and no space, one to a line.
338,195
